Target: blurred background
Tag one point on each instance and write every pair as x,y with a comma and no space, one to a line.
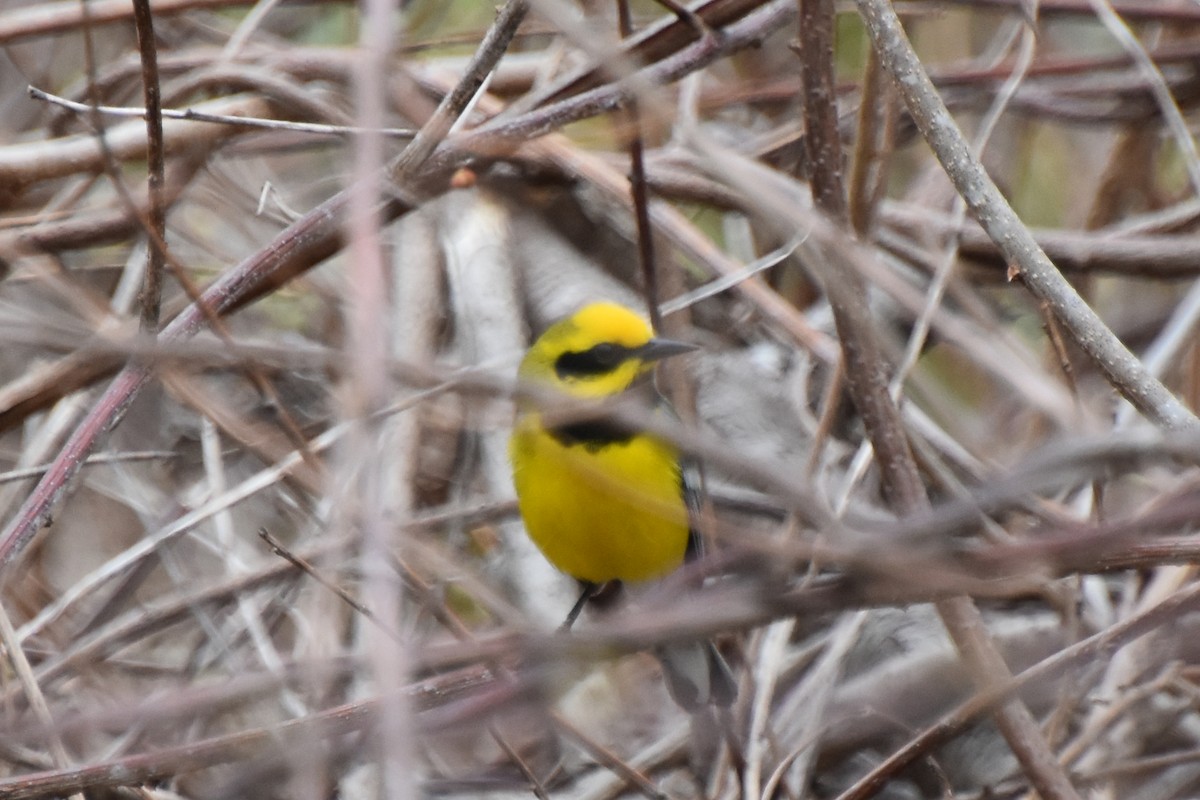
266,545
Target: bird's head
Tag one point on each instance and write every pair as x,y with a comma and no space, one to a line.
600,350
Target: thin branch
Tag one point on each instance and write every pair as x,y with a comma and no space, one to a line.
42,19
989,207
151,297
1167,105
867,379
637,182
1094,647
495,43
193,115
300,563
317,235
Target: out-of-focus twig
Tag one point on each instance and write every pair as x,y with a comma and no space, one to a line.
317,235
194,115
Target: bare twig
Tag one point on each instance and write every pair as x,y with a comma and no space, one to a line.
637,182
488,54
151,299
317,235
195,115
867,379
988,206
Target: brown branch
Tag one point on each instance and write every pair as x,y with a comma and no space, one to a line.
637,182
495,43
1073,657
318,234
989,207
1163,256
151,298
29,162
1138,10
42,19
867,379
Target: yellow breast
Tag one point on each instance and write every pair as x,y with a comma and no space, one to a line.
601,513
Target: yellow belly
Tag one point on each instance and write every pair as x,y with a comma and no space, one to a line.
611,513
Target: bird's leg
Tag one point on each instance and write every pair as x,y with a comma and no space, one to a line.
589,591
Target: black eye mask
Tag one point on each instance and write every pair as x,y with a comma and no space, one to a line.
598,360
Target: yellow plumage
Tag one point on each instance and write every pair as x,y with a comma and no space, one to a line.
601,503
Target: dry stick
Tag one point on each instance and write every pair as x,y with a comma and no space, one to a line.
460,631
140,768
867,379
618,766
169,704
818,91
535,783
41,19
309,240
107,157
1005,228
1172,115
91,228
754,607
866,371
654,43
151,299
637,180
97,460
96,646
1163,256
451,622
873,146
25,163
159,255
192,115
308,569
152,222
121,632
33,692
1123,370
316,236
1107,641
360,492
168,762
495,43
1131,9
491,48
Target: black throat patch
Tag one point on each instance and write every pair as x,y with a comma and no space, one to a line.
592,434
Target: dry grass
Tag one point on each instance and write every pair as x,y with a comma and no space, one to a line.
258,535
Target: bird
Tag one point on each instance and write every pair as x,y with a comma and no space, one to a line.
605,502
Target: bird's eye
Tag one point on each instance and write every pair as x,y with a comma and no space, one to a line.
608,354
604,357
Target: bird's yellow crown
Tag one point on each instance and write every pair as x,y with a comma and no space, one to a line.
595,352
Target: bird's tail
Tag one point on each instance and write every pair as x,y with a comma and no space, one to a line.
697,675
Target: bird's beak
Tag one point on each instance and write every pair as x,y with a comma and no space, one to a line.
658,349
